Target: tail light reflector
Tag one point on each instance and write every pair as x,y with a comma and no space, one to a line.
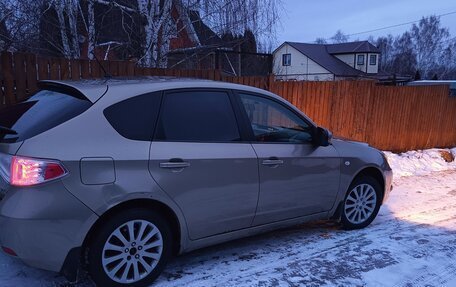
30,171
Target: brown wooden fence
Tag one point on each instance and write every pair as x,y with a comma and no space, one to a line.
19,73
389,118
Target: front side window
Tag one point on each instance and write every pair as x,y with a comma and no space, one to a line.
286,59
197,116
360,60
373,60
273,122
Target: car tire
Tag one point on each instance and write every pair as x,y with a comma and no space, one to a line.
117,258
361,203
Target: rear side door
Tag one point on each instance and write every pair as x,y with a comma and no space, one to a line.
297,178
199,159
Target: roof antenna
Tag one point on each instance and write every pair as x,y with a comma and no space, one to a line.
107,76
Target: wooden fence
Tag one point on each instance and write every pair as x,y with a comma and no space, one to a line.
19,73
389,118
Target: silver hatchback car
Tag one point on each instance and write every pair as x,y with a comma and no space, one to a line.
117,176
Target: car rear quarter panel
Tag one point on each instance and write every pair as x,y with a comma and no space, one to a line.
90,135
43,223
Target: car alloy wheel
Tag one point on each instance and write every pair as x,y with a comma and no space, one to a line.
132,251
129,248
360,203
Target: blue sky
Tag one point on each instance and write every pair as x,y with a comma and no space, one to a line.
305,20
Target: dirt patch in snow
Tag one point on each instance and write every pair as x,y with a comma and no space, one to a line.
447,155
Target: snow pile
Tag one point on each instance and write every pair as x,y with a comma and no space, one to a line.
420,162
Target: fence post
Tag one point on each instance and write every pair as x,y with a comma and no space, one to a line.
7,65
217,60
20,76
32,75
270,63
269,82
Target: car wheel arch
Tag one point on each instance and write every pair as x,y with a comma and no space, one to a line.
156,205
371,171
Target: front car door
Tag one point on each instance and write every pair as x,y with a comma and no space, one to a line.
198,158
297,178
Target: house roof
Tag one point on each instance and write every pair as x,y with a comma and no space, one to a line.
352,47
206,36
319,54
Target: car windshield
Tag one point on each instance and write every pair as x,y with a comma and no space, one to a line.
43,111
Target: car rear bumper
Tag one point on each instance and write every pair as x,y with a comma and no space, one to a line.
42,224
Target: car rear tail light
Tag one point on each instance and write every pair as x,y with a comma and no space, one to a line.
9,251
30,171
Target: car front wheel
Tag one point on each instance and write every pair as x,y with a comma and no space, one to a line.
362,203
130,249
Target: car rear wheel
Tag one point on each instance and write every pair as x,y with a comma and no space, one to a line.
362,203
130,249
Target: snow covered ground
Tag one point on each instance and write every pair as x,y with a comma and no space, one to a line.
420,162
411,243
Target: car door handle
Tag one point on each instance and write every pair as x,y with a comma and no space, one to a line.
174,165
272,162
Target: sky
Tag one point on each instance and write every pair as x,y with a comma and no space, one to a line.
305,20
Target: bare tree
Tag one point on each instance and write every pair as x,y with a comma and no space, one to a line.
340,37
18,27
385,45
90,28
4,34
73,28
157,17
428,43
404,61
426,50
320,41
448,60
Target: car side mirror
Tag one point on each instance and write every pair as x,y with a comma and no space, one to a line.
322,137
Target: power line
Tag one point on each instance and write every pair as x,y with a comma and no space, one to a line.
394,26
398,25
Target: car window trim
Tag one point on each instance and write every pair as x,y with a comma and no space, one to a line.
246,120
242,133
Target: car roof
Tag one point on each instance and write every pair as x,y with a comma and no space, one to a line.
123,88
95,89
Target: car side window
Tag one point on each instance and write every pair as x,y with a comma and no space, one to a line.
135,118
197,116
273,122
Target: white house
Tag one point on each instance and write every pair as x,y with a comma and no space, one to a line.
325,62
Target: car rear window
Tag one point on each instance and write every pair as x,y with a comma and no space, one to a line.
135,118
43,111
